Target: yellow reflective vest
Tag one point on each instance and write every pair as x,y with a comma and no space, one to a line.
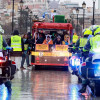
1,42
75,38
83,42
25,46
95,44
16,43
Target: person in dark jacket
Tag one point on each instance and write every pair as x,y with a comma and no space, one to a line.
40,39
29,34
58,40
25,54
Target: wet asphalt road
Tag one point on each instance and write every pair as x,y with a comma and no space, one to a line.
44,85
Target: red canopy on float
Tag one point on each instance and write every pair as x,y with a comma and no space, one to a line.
45,25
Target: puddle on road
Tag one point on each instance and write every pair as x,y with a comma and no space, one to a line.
44,85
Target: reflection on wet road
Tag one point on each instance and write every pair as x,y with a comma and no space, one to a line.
43,85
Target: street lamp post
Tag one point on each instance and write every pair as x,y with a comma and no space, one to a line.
30,21
21,6
83,5
77,12
27,11
93,11
72,16
48,4
13,16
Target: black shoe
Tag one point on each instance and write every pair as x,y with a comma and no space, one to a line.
92,90
79,80
22,68
29,65
17,69
83,90
73,73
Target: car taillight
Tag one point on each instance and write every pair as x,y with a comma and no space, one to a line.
0,61
13,62
37,61
6,57
1,58
65,59
37,58
84,64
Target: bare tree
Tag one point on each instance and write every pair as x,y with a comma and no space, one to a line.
7,28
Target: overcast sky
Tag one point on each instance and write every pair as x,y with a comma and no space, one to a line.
89,3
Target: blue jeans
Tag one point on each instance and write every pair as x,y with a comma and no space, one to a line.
25,56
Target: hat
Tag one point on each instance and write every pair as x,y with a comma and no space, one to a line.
16,32
87,32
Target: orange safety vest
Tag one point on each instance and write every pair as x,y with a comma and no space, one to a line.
45,42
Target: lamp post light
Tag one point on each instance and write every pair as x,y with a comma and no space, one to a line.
93,11
13,16
84,6
77,12
27,9
21,6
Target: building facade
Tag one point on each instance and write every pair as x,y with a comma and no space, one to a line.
99,4
3,3
35,5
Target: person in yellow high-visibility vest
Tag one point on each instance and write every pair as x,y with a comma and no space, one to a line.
17,44
93,47
75,38
25,54
82,41
3,43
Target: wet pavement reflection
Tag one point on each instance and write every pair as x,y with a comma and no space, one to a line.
44,85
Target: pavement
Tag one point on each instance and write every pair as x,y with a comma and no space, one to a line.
50,84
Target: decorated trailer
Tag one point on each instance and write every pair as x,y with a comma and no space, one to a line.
51,54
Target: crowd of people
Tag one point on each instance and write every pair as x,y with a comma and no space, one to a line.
22,45
49,39
90,43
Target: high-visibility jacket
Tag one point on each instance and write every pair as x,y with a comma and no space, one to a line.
95,44
83,42
75,38
1,42
16,43
25,46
